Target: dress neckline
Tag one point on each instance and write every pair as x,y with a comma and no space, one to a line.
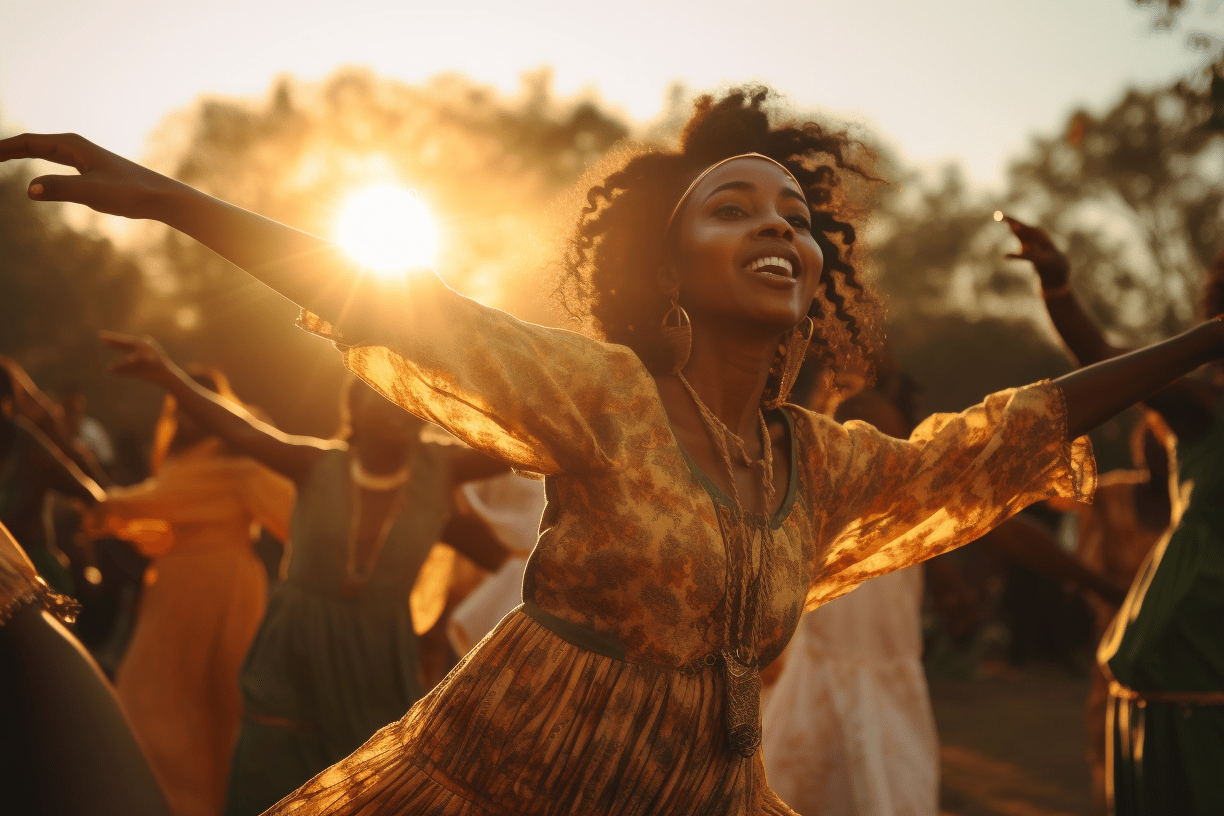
719,497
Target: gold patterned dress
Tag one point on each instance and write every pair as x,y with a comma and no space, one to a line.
600,694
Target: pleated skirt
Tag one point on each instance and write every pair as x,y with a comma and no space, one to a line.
529,723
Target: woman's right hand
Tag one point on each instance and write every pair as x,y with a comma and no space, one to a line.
107,183
142,358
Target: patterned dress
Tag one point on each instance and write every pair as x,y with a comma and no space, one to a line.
600,694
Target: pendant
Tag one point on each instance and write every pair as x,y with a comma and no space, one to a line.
741,704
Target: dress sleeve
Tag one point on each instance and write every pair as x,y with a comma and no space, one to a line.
544,400
888,503
269,497
137,514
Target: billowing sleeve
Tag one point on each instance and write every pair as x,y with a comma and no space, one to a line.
544,400
269,497
883,504
137,514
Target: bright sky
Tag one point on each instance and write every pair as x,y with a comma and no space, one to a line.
969,80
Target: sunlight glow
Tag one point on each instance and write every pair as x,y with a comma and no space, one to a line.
387,229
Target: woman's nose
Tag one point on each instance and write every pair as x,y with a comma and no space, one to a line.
775,225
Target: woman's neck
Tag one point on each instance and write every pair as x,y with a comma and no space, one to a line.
381,459
728,376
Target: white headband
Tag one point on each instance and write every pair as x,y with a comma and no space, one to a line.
715,166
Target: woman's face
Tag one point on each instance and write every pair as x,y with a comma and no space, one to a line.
379,420
744,248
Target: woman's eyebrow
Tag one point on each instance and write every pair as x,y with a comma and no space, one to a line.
789,192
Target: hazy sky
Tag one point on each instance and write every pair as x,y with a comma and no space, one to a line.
942,79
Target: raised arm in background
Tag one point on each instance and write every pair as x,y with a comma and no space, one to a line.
31,403
292,456
1187,405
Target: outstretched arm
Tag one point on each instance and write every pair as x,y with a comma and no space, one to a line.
308,270
1097,392
1152,374
292,456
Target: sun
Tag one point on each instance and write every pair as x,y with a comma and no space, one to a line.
387,229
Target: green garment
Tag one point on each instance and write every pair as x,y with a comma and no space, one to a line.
325,672
1169,637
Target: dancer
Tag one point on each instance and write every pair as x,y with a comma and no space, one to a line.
692,514
1163,654
65,746
336,656
203,597
1128,515
31,466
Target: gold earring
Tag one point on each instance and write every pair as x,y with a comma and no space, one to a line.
796,350
676,334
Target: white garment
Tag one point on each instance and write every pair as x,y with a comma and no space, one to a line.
848,728
93,435
511,505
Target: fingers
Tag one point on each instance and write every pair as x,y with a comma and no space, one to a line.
118,340
61,148
58,188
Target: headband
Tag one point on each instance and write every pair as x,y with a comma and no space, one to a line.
676,210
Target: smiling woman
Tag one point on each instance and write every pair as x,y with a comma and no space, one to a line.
387,229
693,514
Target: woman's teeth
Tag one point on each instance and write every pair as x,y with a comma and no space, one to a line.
775,262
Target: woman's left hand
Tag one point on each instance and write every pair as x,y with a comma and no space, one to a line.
142,358
1037,248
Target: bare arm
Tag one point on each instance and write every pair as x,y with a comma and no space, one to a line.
292,456
38,408
1187,406
1097,392
471,536
307,270
1029,543
61,472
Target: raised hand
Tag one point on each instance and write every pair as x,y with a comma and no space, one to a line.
1037,248
142,358
107,183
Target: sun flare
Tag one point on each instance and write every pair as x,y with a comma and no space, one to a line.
387,229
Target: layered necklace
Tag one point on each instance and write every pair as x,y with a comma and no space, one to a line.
357,575
748,544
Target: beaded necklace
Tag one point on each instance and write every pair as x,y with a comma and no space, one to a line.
746,586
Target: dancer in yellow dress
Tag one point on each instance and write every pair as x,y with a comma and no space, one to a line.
692,514
204,596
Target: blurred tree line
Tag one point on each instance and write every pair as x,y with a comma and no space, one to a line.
1134,195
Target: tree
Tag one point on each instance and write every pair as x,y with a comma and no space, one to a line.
59,286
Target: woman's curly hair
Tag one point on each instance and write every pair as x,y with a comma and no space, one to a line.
613,257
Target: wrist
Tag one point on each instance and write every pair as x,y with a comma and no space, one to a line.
166,201
1053,290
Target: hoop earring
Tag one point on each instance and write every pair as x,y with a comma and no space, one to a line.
676,335
792,360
